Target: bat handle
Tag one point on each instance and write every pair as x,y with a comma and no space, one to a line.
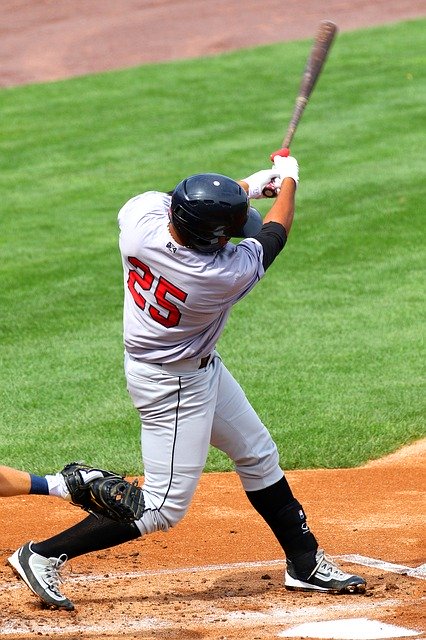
270,190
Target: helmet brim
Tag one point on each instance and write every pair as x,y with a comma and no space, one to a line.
252,225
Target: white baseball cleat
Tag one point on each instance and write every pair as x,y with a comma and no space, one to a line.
326,576
41,575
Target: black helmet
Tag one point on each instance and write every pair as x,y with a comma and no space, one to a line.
208,206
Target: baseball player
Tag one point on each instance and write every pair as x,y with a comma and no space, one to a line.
182,275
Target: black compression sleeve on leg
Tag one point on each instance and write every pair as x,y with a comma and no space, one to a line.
268,501
91,534
285,516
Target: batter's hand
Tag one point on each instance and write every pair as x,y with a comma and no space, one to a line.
286,167
257,181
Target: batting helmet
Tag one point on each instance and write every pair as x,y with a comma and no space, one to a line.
208,206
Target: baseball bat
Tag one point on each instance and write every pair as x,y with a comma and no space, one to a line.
318,54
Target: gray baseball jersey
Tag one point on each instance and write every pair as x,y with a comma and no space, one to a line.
177,300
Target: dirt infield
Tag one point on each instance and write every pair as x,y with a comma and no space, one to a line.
218,575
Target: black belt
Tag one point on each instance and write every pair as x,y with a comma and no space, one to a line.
203,362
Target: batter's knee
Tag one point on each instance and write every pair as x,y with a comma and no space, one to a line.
162,518
259,472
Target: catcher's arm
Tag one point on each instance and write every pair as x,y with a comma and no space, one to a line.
104,492
14,482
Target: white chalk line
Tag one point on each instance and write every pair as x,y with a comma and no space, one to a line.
274,616
389,567
130,575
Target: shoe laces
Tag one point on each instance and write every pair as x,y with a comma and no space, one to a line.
327,564
52,573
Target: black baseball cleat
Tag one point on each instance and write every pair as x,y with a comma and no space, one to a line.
41,575
326,576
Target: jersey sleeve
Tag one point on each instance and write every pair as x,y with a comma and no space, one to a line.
244,269
272,237
252,257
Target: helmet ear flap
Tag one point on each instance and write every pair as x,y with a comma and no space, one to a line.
252,225
182,225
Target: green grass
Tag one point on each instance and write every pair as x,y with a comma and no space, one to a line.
329,346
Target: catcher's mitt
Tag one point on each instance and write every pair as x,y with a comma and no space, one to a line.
103,492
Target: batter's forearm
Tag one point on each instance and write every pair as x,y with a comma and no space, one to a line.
282,211
243,184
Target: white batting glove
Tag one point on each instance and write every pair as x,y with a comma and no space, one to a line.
260,179
286,168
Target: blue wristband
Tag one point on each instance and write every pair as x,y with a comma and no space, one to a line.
39,485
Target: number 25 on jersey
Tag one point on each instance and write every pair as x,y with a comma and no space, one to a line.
166,313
